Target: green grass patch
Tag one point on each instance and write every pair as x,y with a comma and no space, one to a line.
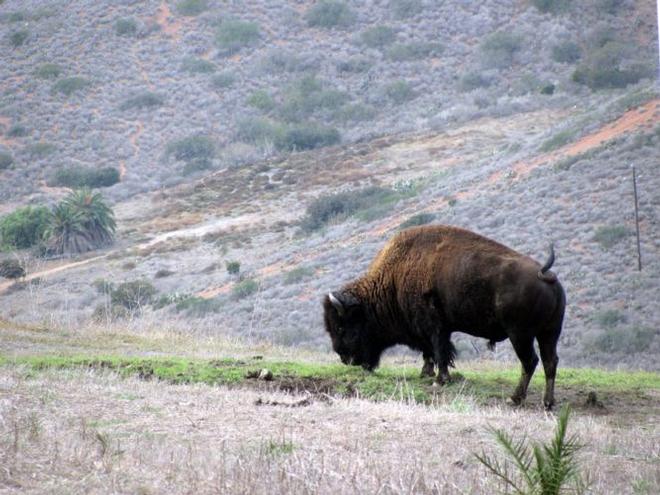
386,383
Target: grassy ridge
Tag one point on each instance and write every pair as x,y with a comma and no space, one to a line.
386,383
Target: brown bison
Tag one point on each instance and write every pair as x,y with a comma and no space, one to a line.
430,281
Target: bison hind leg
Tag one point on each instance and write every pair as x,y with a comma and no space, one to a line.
524,347
444,353
428,370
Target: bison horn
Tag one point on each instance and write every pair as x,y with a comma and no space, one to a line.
336,303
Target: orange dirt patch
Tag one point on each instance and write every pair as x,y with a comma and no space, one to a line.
167,22
5,123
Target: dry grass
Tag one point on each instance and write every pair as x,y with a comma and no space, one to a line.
83,432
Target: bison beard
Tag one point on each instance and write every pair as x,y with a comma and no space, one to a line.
430,281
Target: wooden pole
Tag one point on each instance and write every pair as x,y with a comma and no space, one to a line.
639,248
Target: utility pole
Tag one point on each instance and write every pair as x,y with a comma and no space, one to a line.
639,248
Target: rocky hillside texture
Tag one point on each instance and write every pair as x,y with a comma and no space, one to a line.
264,152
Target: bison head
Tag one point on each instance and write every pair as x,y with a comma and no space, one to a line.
347,323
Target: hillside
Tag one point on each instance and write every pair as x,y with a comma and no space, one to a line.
492,116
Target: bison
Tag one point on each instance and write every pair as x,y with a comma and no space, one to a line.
430,281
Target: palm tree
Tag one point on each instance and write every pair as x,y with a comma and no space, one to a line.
81,222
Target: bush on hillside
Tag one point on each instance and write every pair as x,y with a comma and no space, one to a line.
17,130
5,160
39,150
399,92
223,80
258,130
70,85
191,7
378,36
232,35
402,52
48,71
24,227
191,148
17,38
330,14
566,52
133,295
197,66
499,48
307,137
261,100
355,113
308,96
126,27
139,101
624,340
355,65
198,307
609,318
77,177
298,274
402,9
196,165
551,6
244,288
233,267
609,236
12,269
473,80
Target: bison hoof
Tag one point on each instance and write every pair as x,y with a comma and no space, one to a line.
516,401
548,405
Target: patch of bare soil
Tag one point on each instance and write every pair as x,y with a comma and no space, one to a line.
169,24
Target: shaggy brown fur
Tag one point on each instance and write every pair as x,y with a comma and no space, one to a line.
430,281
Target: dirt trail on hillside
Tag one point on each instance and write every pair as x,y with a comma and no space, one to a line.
135,135
168,24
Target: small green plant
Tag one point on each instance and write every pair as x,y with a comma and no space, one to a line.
499,48
330,14
550,469
399,92
5,160
244,288
378,36
551,6
418,219
403,9
70,85
197,66
223,80
356,113
24,227
609,318
232,35
191,8
566,52
355,65
261,100
192,147
258,130
307,137
48,71
133,295
103,286
126,27
40,150
280,447
403,52
17,38
198,307
76,177
17,130
473,80
558,140
144,99
233,267
12,269
297,275
609,236
309,96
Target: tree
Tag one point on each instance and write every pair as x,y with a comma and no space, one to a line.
81,222
11,269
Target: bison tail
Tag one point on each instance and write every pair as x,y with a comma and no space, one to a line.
543,273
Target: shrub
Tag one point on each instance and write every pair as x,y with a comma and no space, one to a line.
329,14
623,340
566,52
196,165
232,35
418,219
307,137
197,66
70,85
198,307
608,318
12,269
126,27
283,61
341,205
473,80
399,92
539,469
261,100
39,150
223,80
48,71
553,6
378,36
17,38
356,113
191,7
233,267
163,272
354,65
558,140
133,295
297,275
608,236
548,89
103,286
498,49
5,160
191,148
77,177
402,52
308,96
24,227
403,9
244,288
17,131
109,312
260,131
145,99
607,64
81,222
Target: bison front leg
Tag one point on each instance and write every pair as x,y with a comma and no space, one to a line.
443,352
429,367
